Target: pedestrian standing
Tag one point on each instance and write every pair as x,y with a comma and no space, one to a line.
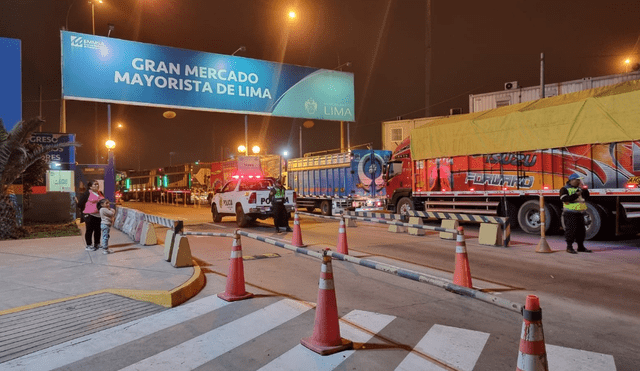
277,196
107,215
92,216
573,196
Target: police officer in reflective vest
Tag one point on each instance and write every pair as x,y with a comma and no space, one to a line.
574,208
277,195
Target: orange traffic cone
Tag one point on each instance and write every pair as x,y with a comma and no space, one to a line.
532,355
326,331
462,274
343,247
235,289
296,240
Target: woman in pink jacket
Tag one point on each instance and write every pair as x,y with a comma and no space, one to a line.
92,216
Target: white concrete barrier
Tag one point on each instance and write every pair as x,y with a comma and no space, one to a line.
181,254
449,224
416,231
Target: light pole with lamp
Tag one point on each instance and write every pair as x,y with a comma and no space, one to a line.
242,48
346,64
110,174
626,65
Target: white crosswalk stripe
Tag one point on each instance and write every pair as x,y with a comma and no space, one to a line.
204,348
352,327
441,348
568,359
444,345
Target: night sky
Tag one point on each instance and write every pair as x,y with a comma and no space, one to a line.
477,46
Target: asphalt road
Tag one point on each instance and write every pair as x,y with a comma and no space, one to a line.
591,302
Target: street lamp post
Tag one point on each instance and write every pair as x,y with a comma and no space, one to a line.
243,48
346,64
110,175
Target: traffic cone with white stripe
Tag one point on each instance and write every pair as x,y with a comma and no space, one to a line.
296,240
532,355
462,274
343,247
235,289
326,331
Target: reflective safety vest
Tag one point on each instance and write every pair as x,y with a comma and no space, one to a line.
279,194
577,205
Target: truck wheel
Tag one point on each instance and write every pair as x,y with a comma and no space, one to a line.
404,206
217,218
325,207
241,219
529,217
593,221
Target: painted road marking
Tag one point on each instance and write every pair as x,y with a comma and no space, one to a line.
568,359
300,355
206,347
451,346
90,345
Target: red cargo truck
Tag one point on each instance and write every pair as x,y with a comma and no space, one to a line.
499,162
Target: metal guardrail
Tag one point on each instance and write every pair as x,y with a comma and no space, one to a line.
383,221
460,216
382,267
368,214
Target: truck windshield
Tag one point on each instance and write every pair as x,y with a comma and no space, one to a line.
395,168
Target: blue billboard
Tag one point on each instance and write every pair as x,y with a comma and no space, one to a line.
65,155
96,68
10,82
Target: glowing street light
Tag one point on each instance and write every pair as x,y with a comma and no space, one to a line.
626,65
242,149
110,144
292,14
255,149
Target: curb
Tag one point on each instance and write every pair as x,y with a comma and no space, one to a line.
168,299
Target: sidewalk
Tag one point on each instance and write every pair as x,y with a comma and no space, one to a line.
47,270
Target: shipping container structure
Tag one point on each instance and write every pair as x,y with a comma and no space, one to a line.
337,182
500,162
514,94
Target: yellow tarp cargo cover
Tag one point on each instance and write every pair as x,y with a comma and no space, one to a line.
602,115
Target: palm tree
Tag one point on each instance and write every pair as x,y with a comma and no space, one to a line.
17,155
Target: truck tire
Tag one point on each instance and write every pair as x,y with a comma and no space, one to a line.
241,219
325,207
593,221
217,218
529,217
404,205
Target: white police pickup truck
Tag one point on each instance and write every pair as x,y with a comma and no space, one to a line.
248,199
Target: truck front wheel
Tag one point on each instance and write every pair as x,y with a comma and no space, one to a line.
404,206
241,219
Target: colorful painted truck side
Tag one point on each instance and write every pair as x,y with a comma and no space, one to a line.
524,160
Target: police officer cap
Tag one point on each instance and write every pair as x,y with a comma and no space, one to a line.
575,176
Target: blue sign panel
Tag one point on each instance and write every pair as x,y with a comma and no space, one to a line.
96,68
10,82
66,155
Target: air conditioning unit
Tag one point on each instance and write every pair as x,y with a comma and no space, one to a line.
455,111
511,85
